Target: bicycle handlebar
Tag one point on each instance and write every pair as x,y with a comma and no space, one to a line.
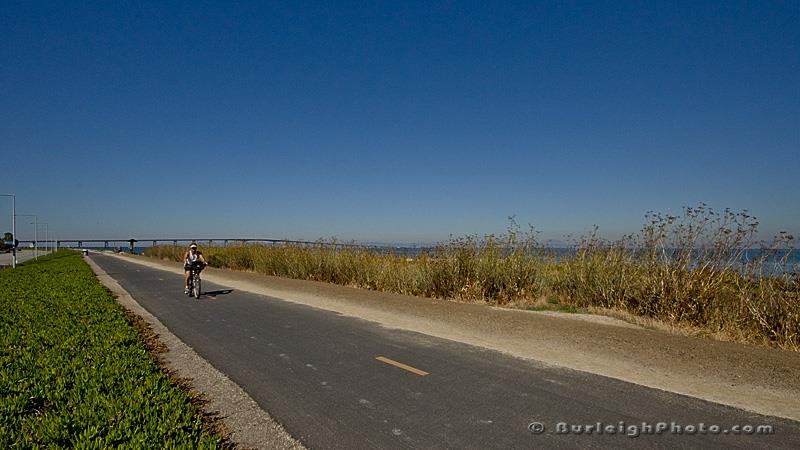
198,265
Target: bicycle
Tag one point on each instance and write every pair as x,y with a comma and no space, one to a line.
195,284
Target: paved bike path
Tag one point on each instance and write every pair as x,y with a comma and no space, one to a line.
318,374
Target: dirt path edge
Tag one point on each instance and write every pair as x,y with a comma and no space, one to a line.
757,379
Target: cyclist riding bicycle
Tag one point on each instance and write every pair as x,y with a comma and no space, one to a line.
191,259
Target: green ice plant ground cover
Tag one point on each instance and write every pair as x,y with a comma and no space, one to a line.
75,373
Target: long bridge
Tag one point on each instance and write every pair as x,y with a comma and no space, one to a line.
131,243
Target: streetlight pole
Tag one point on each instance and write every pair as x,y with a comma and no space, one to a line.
46,244
13,228
35,233
35,237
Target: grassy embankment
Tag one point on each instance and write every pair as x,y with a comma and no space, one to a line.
74,371
684,272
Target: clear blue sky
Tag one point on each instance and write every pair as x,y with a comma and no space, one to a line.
395,121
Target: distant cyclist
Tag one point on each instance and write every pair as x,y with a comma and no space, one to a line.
191,258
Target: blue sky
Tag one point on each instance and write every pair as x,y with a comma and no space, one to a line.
395,121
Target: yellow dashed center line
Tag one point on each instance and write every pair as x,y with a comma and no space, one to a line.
402,366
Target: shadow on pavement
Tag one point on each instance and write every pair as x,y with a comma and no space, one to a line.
214,294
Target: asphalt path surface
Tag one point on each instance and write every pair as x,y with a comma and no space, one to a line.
340,382
22,256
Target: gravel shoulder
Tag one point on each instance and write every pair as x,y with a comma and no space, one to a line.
246,423
757,379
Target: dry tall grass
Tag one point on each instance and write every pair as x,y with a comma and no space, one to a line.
683,270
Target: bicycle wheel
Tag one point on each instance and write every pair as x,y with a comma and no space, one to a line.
196,287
